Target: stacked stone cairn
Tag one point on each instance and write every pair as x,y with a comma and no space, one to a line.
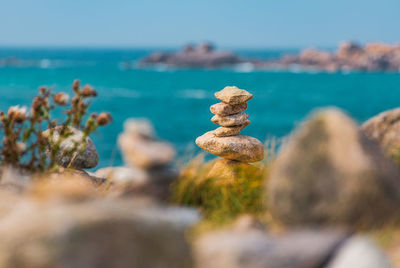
148,168
226,141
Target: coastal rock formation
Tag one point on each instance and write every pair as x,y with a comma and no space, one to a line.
385,129
349,56
225,141
86,155
329,173
190,56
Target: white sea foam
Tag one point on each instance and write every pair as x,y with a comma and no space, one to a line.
244,68
122,92
45,63
192,94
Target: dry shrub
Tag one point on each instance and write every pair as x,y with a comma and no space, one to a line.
26,147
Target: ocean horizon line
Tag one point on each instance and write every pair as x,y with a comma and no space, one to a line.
154,48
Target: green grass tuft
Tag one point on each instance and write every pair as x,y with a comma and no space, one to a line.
223,196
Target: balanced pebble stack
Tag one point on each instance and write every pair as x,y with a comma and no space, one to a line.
226,141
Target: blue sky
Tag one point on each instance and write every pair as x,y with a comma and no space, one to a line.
228,23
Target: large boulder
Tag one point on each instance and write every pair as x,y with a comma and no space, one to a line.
329,173
114,233
385,129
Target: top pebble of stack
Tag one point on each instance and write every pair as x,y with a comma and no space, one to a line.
233,95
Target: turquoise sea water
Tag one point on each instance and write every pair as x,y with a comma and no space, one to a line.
177,101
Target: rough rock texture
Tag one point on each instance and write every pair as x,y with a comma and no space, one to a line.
85,155
359,252
233,95
330,173
385,129
231,120
230,131
223,109
145,153
256,249
241,148
109,233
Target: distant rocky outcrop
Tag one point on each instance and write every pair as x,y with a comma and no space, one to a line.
348,56
371,57
190,56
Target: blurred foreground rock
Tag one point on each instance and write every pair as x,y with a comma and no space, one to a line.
255,248
385,129
13,180
148,169
106,233
141,149
329,173
359,252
